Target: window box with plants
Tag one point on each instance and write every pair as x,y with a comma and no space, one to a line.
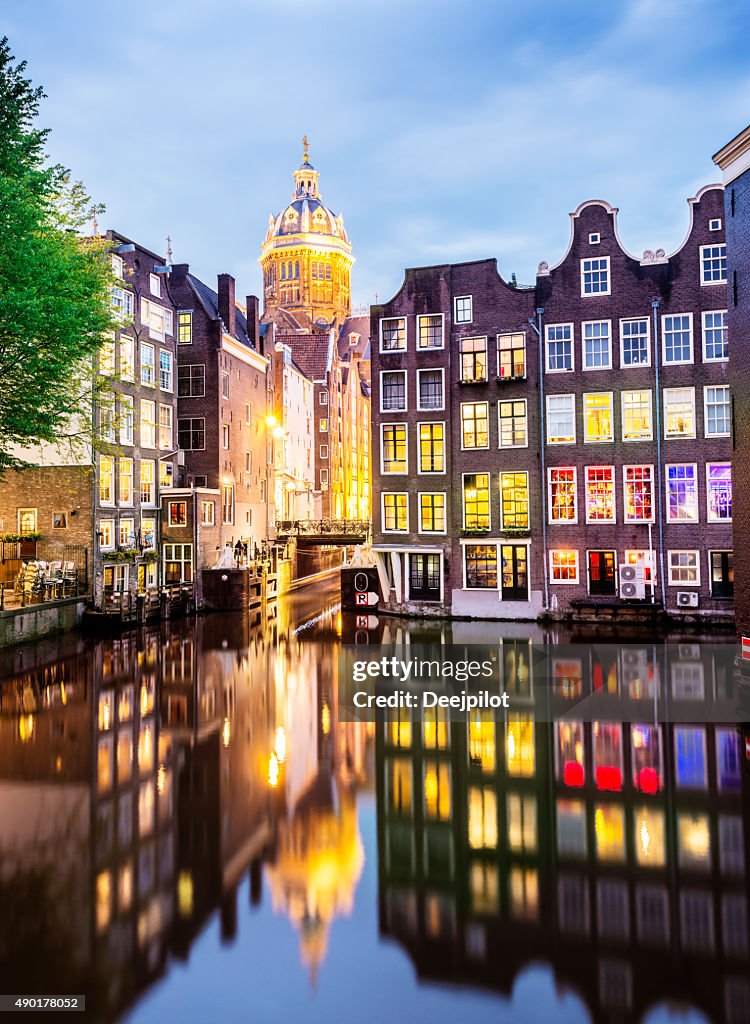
475,531
516,531
120,555
27,542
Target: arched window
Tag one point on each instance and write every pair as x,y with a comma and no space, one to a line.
296,269
328,272
283,271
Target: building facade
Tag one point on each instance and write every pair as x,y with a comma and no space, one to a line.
567,446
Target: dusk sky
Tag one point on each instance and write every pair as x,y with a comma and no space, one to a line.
443,131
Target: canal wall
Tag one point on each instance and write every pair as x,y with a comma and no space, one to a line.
22,625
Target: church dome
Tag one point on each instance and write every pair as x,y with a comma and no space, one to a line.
306,214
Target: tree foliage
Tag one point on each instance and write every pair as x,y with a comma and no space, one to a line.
54,282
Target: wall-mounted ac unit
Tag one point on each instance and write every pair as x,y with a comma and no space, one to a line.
687,599
632,582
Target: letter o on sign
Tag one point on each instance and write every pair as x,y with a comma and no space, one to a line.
361,582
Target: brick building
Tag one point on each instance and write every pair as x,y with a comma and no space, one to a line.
530,443
734,161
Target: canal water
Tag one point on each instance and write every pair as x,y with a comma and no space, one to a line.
189,832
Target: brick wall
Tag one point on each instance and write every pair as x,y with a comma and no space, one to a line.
55,492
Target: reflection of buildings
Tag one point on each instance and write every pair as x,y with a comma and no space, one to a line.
612,847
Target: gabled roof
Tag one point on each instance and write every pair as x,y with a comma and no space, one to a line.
210,302
359,325
311,352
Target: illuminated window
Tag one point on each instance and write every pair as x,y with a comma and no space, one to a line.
399,728
559,347
437,790
522,812
393,391
716,406
600,494
571,747
682,493
562,494
563,566
473,352
395,513
649,835
714,264
435,732
178,513
475,425
677,338
598,416
431,448
185,327
561,419
635,343
715,339
679,412
482,818
519,746
126,533
432,513
165,427
595,276
609,829
607,742
719,492
523,890
393,447
638,484
481,566
648,770
483,883
107,357
106,480
476,487
511,355
690,757
514,500
127,358
637,419
393,334
512,424
148,424
429,390
693,841
462,309
597,345
571,828
430,331
684,568
399,786
482,741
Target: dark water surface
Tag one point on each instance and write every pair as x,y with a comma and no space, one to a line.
188,833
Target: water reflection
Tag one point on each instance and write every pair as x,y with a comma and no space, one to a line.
195,776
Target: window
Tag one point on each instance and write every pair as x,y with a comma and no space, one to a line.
225,436
395,513
393,448
475,425
424,577
597,345
429,389
177,513
127,358
684,568
393,391
635,343
714,264
511,355
185,327
27,520
227,504
559,347
148,424
480,562
106,480
191,380
323,398
165,474
323,479
191,434
165,371
225,385
323,426
682,493
677,338
637,416
127,419
154,285
595,276
59,520
126,481
714,224
473,360
512,424
430,331
106,534
123,303
679,412
432,513
598,417
476,501
690,757
107,358
562,495
717,411
514,501
178,563
148,477
147,364
165,427
600,494
715,340
561,419
118,266
323,451
431,448
157,319
106,418
719,492
393,334
208,512
638,493
462,310
594,238
563,566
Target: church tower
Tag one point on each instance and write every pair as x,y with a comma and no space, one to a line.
306,257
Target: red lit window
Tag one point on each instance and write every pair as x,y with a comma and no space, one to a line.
607,743
570,753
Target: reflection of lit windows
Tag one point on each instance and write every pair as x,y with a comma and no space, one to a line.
728,759
647,758
125,887
693,841
648,829
734,924
482,818
571,828
573,904
435,729
103,900
652,914
607,740
146,804
519,746
145,749
567,677
399,786
690,757
609,828
483,882
521,823
731,844
106,704
124,756
570,753
437,790
482,740
612,913
399,728
439,916
125,704
697,920
399,848
104,764
516,656
523,889
687,680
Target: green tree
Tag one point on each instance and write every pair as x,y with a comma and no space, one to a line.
54,282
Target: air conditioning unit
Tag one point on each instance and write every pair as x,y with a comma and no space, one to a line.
687,599
632,582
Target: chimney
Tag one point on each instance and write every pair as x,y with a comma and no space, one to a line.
227,308
180,271
253,321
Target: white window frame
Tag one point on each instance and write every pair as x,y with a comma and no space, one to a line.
113,473
600,522
480,538
170,524
389,351
550,518
590,323
594,238
397,494
127,360
702,257
564,583
474,447
323,398
547,340
704,314
512,472
405,407
210,519
631,320
599,440
430,348
677,362
107,525
694,467
607,268
166,447
323,452
633,391
547,420
225,436
441,407
727,433
432,472
709,517
463,298
508,447
126,416
391,472
123,462
142,366
154,285
432,533
668,436
121,527
638,465
671,582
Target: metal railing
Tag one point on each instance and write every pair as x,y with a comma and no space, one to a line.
322,527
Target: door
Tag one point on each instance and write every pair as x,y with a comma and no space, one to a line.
515,572
424,577
722,574
602,573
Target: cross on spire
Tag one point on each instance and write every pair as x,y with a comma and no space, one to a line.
306,149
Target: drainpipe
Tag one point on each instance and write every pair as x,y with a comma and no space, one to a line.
543,436
655,303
